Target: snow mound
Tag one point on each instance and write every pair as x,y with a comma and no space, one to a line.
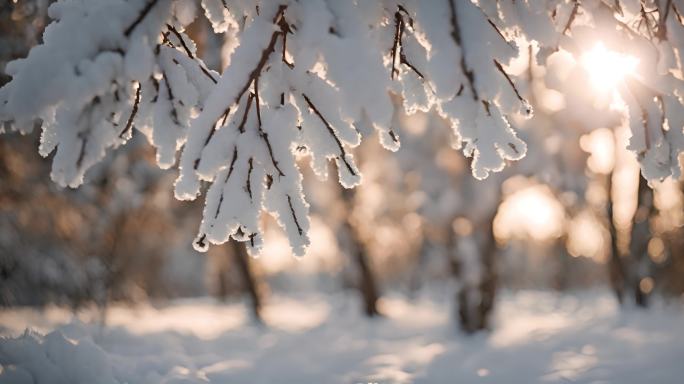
54,358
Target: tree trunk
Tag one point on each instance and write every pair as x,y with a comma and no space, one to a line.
616,267
250,284
367,283
561,279
223,286
639,239
476,271
369,288
489,279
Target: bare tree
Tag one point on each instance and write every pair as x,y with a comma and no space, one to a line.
249,280
366,283
640,236
616,265
476,300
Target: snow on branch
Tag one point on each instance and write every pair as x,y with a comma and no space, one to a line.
652,31
305,79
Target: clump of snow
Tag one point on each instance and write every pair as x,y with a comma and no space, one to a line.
60,357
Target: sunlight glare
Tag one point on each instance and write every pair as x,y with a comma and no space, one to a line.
600,144
530,213
607,68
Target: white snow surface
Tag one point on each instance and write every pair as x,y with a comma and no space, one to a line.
538,337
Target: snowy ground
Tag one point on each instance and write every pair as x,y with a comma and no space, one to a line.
539,337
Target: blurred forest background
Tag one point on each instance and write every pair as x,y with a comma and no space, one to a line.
573,214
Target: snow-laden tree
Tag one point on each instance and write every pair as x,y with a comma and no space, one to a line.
306,77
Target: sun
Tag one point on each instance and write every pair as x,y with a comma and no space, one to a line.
607,68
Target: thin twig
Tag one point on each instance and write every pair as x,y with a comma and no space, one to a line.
262,134
248,183
343,153
141,16
510,81
456,35
136,104
241,126
294,216
225,180
189,53
573,14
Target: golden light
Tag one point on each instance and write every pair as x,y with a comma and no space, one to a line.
656,250
530,213
607,68
600,144
646,285
462,227
586,236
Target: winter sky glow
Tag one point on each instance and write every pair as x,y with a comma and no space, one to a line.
606,68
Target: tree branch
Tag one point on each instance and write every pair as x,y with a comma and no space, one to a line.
174,112
136,104
510,81
248,183
396,46
404,60
210,135
264,54
241,126
141,16
230,172
661,33
343,153
189,53
573,14
294,216
456,35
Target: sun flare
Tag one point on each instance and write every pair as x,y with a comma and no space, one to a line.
607,68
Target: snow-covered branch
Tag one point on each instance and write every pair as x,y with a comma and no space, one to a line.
311,78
